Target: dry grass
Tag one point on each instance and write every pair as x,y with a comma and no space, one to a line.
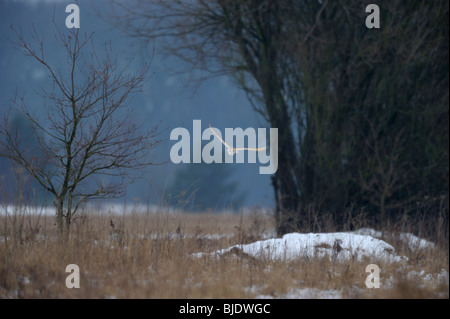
149,256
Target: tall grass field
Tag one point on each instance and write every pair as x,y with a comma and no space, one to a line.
156,255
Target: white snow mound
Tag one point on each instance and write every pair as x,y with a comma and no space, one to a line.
336,246
411,240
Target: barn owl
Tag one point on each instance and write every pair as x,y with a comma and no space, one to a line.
232,150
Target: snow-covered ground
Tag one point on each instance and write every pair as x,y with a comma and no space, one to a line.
365,244
307,293
113,209
108,208
359,245
411,240
338,246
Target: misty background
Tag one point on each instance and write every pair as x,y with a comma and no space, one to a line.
170,99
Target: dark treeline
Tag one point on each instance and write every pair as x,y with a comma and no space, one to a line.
362,113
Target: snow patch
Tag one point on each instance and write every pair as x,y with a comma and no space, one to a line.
336,246
306,293
415,242
411,240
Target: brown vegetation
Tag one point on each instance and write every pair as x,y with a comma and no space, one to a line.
150,256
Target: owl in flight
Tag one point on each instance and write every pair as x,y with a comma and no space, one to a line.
233,150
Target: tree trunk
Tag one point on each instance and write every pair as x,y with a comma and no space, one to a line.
60,214
69,213
288,214
286,186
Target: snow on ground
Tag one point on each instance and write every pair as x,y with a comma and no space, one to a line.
306,293
422,278
108,208
113,209
13,210
411,240
337,246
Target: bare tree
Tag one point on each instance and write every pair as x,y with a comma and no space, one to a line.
89,146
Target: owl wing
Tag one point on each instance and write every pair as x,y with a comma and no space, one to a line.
228,146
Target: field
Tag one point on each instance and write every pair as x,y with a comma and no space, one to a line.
156,255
